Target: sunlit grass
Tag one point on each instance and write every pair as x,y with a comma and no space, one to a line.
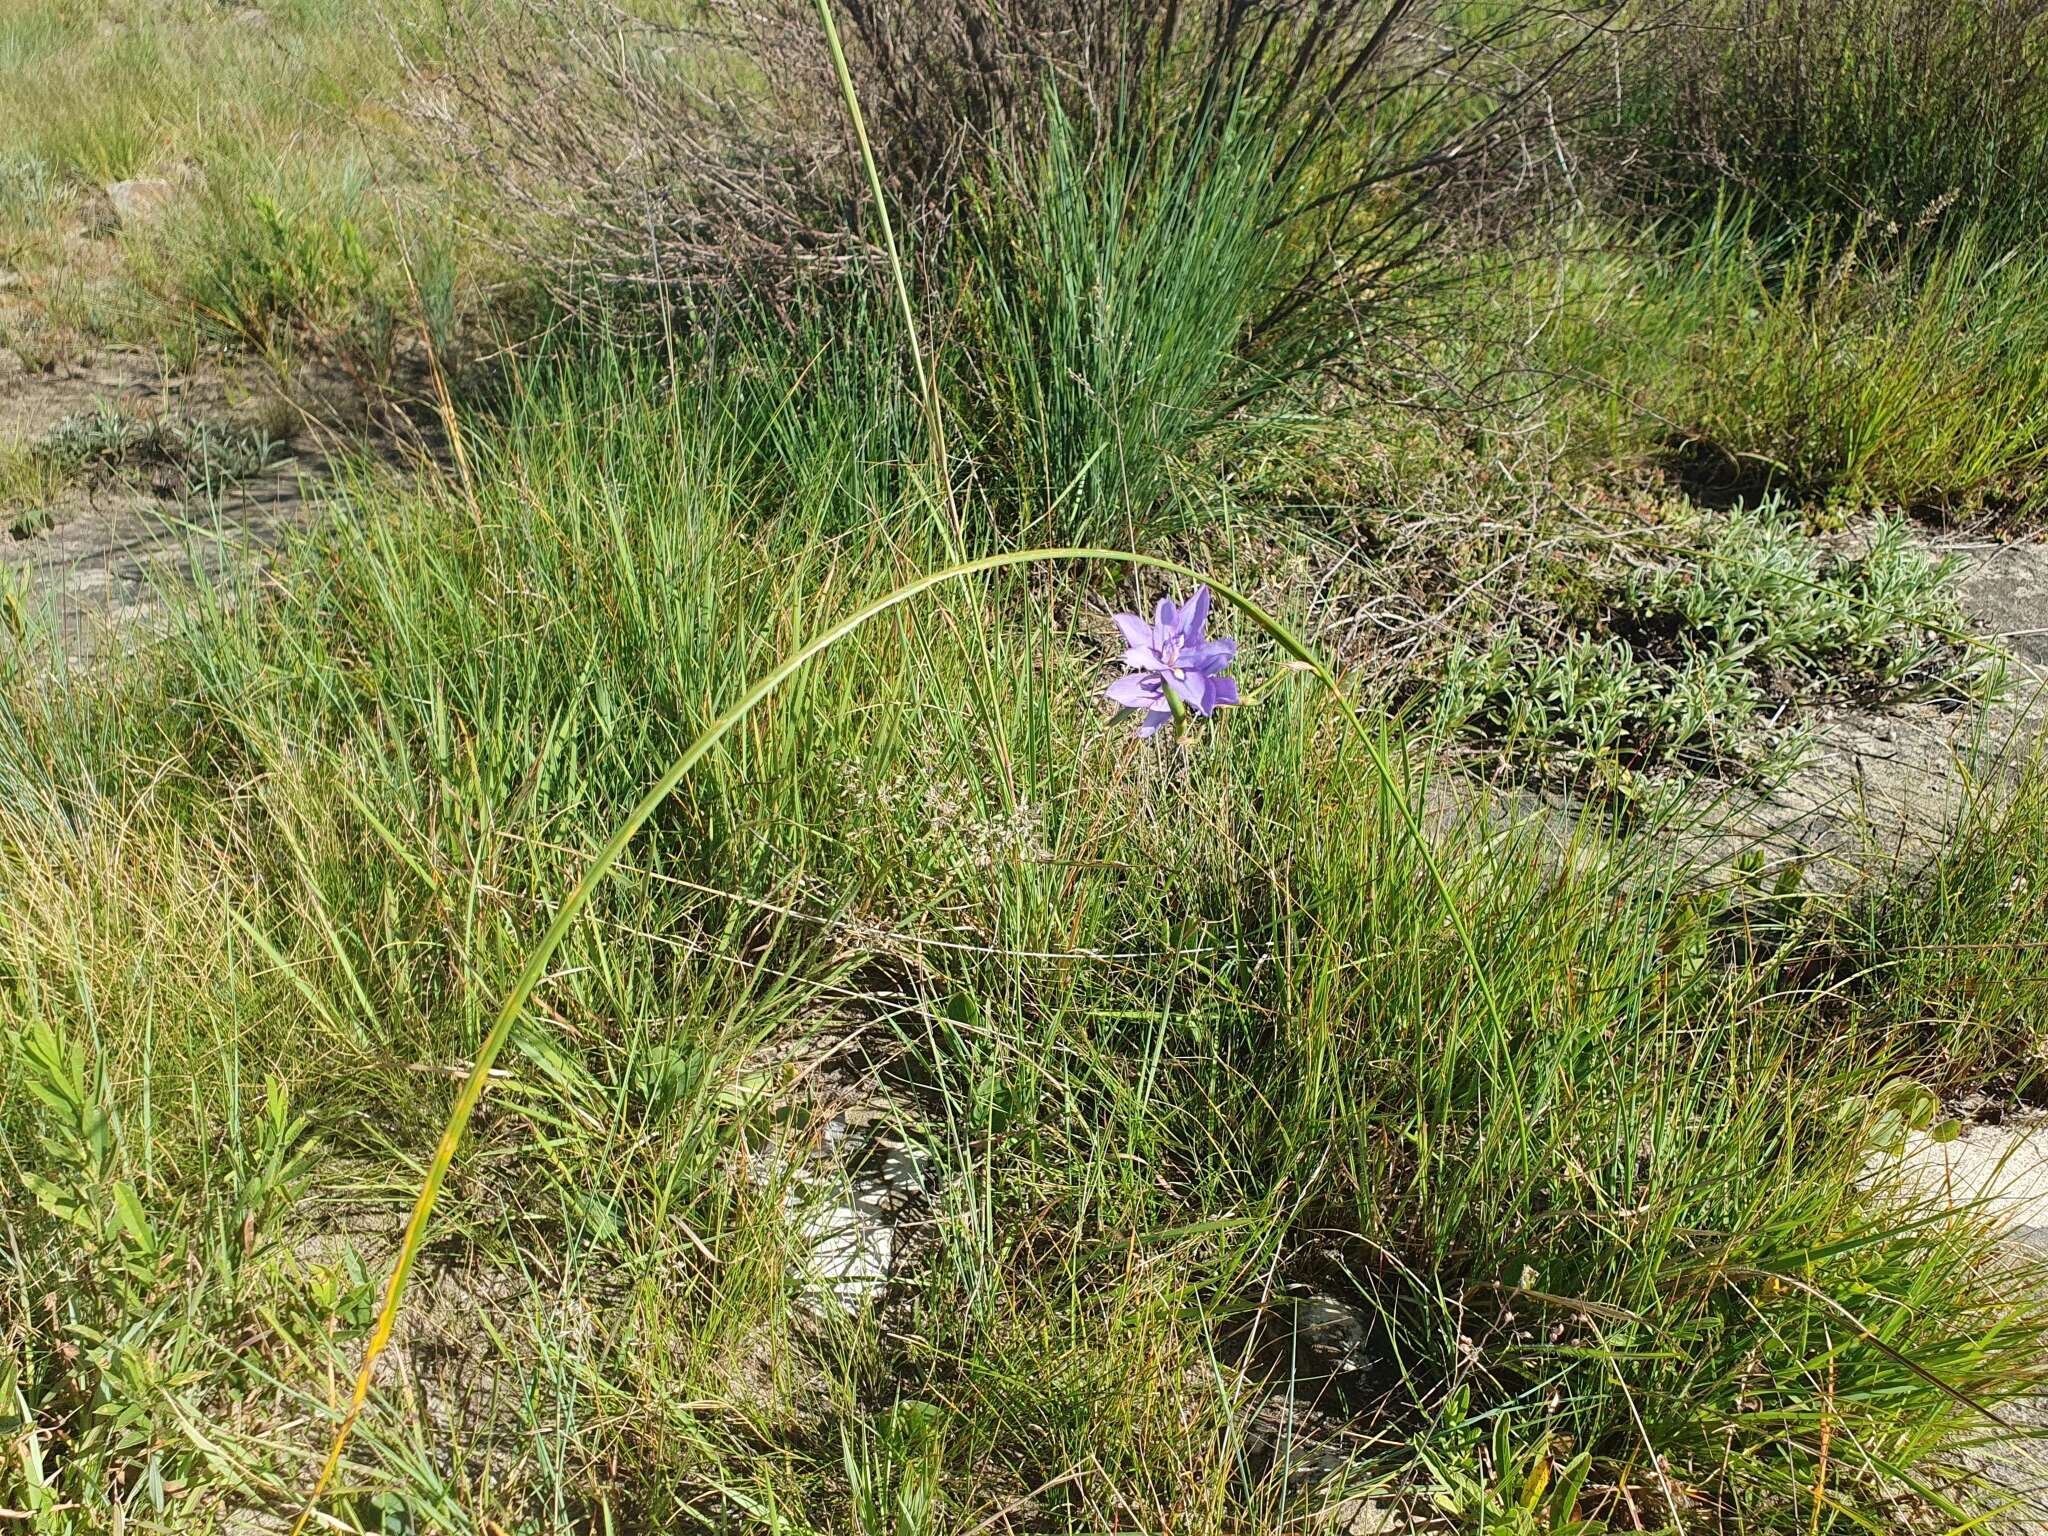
1194,1042
1197,1038
288,133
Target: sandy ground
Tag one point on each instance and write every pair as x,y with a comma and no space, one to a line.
100,552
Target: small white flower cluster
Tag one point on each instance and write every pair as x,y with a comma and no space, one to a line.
954,830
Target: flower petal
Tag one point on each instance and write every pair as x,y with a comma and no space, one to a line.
1210,655
1154,721
1222,690
1165,622
1194,615
1135,630
1193,689
1140,690
1142,658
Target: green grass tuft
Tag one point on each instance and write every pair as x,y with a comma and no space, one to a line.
1251,1155
1194,1045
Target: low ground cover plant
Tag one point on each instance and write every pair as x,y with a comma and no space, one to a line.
1686,657
200,454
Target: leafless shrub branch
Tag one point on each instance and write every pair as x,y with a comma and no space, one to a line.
650,156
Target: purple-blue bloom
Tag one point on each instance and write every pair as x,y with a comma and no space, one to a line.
1172,653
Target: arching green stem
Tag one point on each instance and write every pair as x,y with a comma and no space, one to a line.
927,377
579,897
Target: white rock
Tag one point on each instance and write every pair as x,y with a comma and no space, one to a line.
847,1250
2001,1170
846,1214
140,201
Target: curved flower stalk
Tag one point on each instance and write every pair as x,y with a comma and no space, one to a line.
514,1006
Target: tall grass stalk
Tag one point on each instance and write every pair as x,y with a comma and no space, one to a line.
927,378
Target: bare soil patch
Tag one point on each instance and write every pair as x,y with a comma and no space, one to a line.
93,557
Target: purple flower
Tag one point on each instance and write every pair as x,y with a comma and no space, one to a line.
1171,653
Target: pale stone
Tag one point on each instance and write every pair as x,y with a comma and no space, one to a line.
1999,1170
141,200
845,1209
